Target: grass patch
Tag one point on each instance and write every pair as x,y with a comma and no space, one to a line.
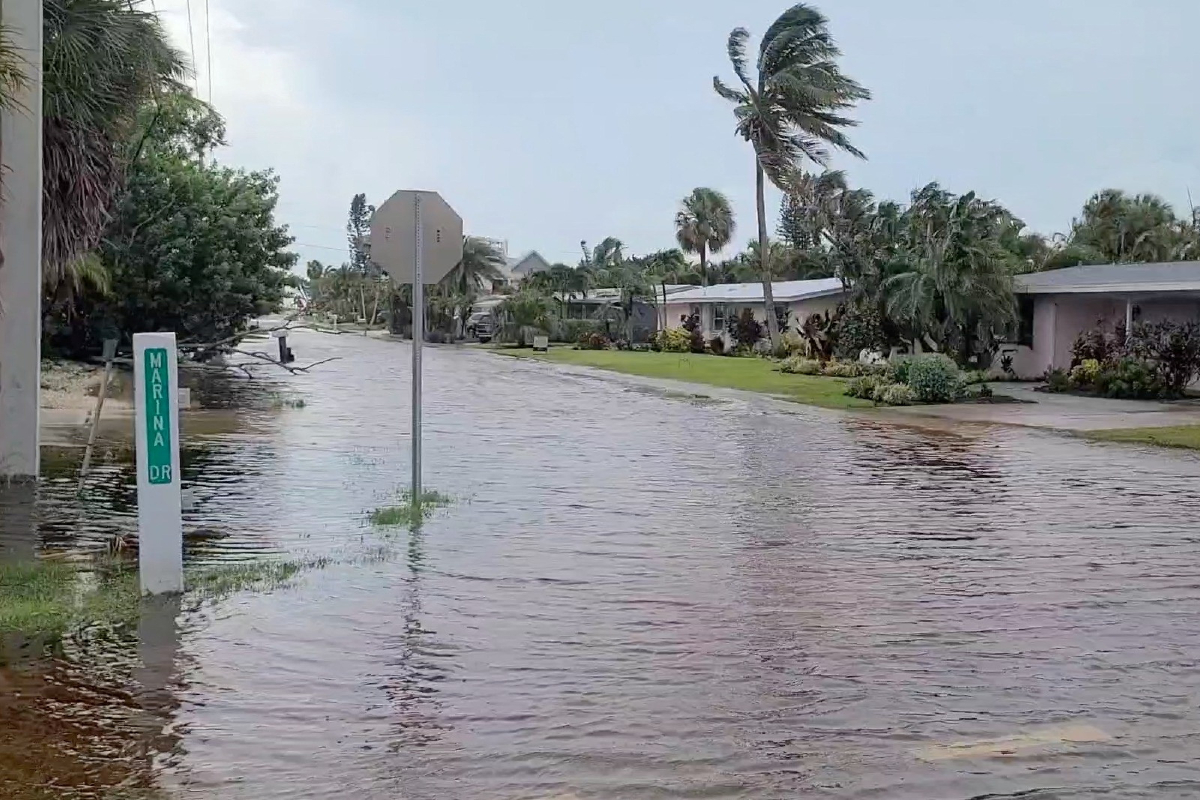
747,374
1178,436
407,513
53,599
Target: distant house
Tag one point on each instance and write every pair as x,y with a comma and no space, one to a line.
716,305
518,269
1056,306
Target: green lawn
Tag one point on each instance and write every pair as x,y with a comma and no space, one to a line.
1185,436
749,374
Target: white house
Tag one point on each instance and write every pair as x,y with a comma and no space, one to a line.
520,268
1058,305
716,305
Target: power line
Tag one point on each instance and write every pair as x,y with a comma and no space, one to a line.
208,46
192,46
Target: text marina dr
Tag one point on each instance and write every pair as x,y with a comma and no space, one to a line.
158,422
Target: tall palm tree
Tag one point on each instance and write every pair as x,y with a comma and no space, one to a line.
103,60
790,110
482,263
704,224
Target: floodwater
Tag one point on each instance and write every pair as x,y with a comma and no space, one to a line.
638,594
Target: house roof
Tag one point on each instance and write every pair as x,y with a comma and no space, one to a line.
784,291
526,264
1175,276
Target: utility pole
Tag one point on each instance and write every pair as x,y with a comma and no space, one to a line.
21,244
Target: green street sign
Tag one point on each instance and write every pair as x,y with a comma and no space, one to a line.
158,415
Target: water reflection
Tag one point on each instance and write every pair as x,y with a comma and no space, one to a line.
638,597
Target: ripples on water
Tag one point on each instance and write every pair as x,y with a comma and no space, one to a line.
638,596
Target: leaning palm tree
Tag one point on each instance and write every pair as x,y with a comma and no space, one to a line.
103,60
482,263
791,110
703,225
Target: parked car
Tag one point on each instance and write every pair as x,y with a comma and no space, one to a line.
481,326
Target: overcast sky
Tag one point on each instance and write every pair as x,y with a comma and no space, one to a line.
545,122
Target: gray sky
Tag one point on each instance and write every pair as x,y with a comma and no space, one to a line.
544,122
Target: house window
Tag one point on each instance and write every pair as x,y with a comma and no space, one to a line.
718,317
1025,305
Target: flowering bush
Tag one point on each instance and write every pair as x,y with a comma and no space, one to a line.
674,340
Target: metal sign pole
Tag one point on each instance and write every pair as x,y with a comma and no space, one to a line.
418,336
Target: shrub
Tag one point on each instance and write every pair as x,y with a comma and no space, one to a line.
794,344
1173,348
572,330
1094,345
935,379
593,341
881,390
716,346
1085,374
975,377
843,369
864,387
798,365
762,348
1006,366
985,392
696,343
859,328
674,340
1132,379
898,366
745,329
895,394
1057,380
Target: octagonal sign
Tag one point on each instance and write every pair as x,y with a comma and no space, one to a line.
394,236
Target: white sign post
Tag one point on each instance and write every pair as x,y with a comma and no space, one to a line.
160,523
416,237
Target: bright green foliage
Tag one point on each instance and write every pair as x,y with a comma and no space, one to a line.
193,248
1085,373
935,379
675,340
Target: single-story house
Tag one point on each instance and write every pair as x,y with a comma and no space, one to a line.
795,301
520,268
1058,305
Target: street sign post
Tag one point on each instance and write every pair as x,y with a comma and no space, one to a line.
416,237
160,524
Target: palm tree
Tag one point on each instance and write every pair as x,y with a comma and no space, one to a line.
482,264
703,225
791,110
103,60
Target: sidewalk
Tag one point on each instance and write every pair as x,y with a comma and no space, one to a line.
1059,411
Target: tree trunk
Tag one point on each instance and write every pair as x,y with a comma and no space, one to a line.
764,255
703,265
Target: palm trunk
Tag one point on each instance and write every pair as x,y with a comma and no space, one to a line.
703,265
764,255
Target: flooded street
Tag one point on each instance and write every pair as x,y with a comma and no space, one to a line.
636,594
